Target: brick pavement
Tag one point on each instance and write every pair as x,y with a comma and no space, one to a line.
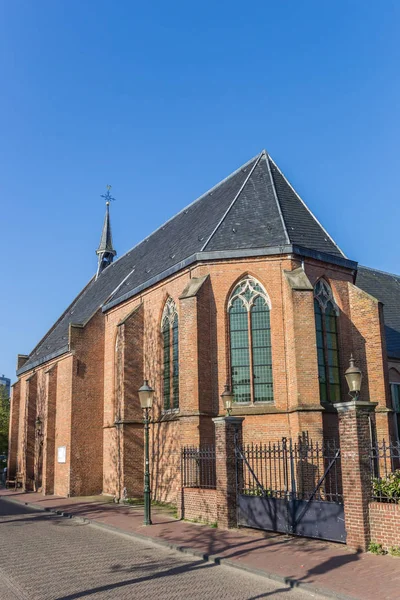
46,557
329,568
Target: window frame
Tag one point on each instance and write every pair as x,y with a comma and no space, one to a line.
256,289
324,299
170,324
396,410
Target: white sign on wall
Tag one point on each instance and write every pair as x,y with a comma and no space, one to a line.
62,454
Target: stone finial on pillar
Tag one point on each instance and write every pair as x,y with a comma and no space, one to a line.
355,445
226,430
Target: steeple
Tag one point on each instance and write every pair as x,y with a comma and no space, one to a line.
105,252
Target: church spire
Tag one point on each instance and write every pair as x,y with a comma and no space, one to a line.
105,252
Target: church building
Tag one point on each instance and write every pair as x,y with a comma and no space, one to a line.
244,287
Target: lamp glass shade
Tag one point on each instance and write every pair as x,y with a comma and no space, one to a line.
353,377
227,398
146,394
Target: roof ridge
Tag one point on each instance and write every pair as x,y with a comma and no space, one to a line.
266,156
307,208
380,271
109,297
209,191
233,201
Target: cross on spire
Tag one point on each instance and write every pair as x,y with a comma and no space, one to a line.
107,196
105,252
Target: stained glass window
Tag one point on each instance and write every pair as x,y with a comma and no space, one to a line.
326,312
175,363
167,364
395,391
250,343
240,355
261,349
170,336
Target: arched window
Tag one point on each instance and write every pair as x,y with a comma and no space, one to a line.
326,312
250,342
170,336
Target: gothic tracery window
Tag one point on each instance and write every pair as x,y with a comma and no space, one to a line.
326,312
170,337
250,342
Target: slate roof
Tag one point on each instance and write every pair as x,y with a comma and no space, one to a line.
386,288
106,244
253,210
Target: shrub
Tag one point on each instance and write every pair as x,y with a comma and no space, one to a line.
376,548
394,550
387,487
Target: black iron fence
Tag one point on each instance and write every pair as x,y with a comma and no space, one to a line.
301,470
385,471
198,467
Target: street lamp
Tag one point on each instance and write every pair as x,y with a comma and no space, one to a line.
227,398
146,394
353,377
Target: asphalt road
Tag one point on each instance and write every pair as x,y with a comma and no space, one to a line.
45,557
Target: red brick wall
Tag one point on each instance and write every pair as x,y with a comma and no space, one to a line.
29,432
165,461
63,424
385,524
199,505
204,355
86,456
355,444
90,388
370,352
49,449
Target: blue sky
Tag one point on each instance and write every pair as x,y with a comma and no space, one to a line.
162,100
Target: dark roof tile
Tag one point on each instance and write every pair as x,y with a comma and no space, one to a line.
254,208
385,287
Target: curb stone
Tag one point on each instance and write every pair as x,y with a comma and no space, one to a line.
289,582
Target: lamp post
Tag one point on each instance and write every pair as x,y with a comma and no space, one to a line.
353,377
227,398
146,394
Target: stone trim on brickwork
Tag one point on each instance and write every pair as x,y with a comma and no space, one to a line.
193,287
298,280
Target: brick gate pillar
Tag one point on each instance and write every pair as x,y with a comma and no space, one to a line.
355,444
226,428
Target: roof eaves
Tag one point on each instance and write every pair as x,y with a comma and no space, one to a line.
232,203
109,298
305,205
229,254
266,156
325,257
199,257
40,361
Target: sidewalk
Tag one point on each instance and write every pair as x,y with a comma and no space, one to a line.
330,569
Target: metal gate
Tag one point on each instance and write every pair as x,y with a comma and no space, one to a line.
291,487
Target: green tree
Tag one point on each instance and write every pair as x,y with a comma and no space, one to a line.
4,419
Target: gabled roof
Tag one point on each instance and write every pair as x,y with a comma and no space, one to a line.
254,211
386,288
